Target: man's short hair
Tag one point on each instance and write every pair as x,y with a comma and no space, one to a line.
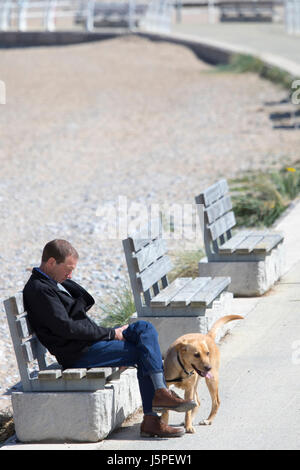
59,250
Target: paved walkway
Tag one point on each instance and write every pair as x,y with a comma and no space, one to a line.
259,376
267,40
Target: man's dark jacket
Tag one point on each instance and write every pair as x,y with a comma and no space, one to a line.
60,320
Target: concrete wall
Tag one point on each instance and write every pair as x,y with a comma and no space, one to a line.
47,38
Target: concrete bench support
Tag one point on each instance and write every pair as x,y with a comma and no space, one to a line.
75,416
248,279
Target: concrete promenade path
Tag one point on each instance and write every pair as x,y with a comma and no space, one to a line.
259,376
269,41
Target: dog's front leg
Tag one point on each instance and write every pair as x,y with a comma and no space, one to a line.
165,417
188,423
189,415
212,385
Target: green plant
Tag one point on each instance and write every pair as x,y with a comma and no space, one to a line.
119,312
242,63
260,197
287,181
185,263
7,427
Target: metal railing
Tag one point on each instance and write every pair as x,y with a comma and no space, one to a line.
158,16
20,11
16,14
292,16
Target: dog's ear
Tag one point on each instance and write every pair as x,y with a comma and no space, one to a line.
183,345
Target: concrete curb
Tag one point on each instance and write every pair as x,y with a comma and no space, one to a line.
219,52
57,38
210,50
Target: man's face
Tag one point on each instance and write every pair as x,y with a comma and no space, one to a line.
60,272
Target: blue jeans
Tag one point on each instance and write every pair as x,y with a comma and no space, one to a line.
140,349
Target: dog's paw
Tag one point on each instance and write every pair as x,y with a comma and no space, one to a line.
205,422
190,429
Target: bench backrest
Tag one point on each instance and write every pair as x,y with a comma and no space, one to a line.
26,345
147,262
216,216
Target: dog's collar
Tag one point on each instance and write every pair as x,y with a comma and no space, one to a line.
180,379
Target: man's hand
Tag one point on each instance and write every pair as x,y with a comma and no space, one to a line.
119,332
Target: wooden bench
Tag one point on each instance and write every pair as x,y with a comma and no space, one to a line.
217,221
47,377
148,266
183,306
246,10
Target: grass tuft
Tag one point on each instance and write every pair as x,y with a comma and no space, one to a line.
259,198
185,263
7,428
120,310
242,63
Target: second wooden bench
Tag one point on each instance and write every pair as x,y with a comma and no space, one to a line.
184,304
254,259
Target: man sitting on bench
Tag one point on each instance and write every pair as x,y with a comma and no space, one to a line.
57,307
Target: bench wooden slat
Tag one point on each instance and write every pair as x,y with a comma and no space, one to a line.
49,374
183,297
15,304
73,374
96,373
211,290
222,225
115,375
164,297
212,193
229,246
146,235
150,253
268,243
30,349
247,245
217,209
155,272
23,326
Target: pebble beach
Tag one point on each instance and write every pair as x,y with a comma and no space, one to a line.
88,123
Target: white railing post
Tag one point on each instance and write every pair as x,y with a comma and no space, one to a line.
292,16
22,17
287,15
49,19
211,12
297,16
90,15
5,15
131,15
158,16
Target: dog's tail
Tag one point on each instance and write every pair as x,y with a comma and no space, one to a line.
213,331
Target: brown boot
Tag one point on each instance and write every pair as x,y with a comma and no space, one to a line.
153,426
164,399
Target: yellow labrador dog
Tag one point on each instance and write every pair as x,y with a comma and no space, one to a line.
193,356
